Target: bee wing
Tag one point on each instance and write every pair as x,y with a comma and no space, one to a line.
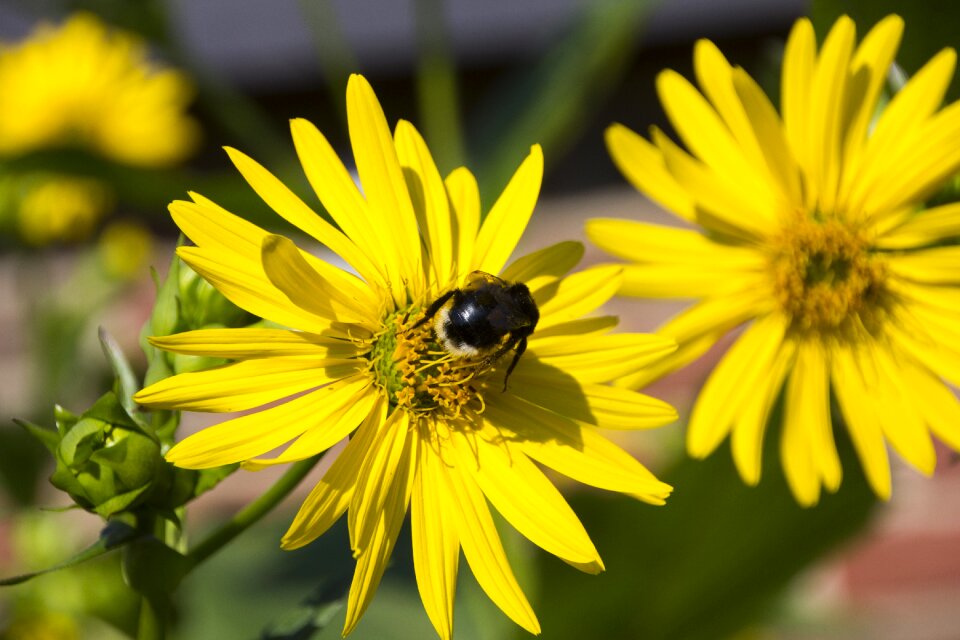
478,279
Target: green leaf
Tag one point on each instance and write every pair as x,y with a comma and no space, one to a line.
113,536
711,561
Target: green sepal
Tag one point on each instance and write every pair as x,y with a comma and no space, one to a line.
47,437
126,380
64,419
163,321
152,568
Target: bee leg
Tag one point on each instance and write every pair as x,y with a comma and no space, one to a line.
521,347
434,307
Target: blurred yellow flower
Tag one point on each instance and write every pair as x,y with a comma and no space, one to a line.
124,249
58,208
432,431
84,84
811,232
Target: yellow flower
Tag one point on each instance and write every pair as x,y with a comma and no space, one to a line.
431,431
811,233
124,249
54,208
81,83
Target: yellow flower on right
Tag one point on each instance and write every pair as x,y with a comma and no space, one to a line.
811,232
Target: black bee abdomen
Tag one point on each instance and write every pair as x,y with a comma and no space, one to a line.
469,321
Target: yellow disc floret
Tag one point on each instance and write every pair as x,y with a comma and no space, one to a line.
418,375
825,277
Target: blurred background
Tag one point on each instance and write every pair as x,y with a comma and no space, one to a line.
83,219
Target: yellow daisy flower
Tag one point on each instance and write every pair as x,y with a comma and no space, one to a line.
430,429
810,233
82,83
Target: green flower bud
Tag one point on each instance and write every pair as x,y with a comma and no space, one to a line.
105,461
201,305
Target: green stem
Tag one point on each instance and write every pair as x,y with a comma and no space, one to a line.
337,60
153,618
251,513
437,86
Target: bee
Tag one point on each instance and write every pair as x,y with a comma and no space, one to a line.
473,321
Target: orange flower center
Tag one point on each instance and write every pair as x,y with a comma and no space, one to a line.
418,375
826,278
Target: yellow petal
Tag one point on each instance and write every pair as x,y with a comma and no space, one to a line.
384,186
658,244
544,266
464,195
228,256
768,129
244,344
868,74
940,265
896,133
508,218
436,545
331,496
687,280
429,199
372,559
583,326
596,404
715,77
917,172
827,93
721,205
799,59
900,419
936,402
290,207
341,198
525,498
750,117
577,295
857,403
750,425
684,355
643,166
808,428
594,358
482,547
733,382
796,455
709,139
940,357
257,433
308,289
925,227
244,385
344,414
714,314
376,479
575,450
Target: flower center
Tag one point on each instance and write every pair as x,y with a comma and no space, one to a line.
826,278
418,375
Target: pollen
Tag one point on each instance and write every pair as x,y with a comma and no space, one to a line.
419,376
826,278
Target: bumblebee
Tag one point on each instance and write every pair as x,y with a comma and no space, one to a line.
487,317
